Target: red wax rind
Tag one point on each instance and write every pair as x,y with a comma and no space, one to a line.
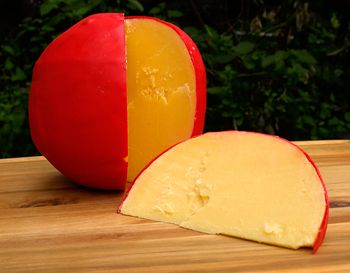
78,102
323,228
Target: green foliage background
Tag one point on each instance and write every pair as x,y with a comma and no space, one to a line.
279,67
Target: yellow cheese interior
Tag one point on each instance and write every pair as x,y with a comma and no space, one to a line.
161,91
241,184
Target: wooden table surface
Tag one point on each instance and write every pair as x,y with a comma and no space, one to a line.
48,224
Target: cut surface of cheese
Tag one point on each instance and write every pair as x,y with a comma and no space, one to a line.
242,184
161,91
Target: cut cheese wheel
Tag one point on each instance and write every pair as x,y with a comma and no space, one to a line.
242,184
111,93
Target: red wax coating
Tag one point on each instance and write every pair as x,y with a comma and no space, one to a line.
78,102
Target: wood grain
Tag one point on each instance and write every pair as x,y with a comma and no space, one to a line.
48,224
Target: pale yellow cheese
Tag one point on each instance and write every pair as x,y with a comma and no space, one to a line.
161,91
241,184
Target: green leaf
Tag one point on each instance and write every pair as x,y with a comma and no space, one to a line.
224,59
332,98
154,10
216,90
280,56
268,60
244,48
8,64
304,57
309,120
157,9
174,14
325,111
19,75
334,21
305,96
297,72
347,116
8,49
248,63
338,72
47,28
135,5
17,120
47,6
334,121
277,59
192,31
212,33
94,3
82,11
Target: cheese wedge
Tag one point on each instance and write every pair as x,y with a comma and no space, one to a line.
248,185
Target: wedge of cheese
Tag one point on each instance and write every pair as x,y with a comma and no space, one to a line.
248,185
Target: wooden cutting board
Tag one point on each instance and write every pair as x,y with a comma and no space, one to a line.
48,224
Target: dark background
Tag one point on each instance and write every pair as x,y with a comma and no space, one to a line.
279,67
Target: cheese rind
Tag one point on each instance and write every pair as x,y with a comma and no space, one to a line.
247,185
